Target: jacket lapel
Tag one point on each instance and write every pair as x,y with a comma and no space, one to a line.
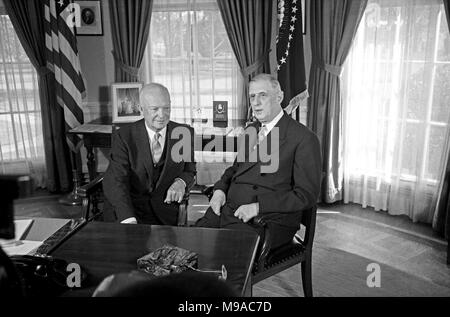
143,143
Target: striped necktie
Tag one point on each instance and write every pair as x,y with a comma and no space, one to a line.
156,148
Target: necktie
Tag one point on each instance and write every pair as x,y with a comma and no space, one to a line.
262,134
156,148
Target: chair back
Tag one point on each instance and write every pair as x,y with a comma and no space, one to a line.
89,193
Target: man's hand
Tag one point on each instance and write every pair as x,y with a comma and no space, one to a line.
247,212
175,192
217,201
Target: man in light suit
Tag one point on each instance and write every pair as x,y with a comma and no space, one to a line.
246,189
144,181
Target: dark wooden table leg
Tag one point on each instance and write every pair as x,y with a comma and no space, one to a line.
92,169
91,162
73,199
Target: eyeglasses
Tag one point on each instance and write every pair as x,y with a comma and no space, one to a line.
222,274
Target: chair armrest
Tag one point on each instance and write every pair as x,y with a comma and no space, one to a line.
89,193
260,221
182,209
187,192
208,191
90,188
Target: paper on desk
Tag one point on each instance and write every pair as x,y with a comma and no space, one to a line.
17,246
21,227
20,247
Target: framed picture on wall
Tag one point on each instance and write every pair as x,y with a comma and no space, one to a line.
91,19
125,102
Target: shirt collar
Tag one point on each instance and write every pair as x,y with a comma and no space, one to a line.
274,121
151,133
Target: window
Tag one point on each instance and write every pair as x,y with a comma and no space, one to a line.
189,52
21,138
396,114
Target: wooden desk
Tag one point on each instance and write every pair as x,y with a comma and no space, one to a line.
108,248
99,136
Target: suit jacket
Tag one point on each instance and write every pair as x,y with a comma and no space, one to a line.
127,183
283,194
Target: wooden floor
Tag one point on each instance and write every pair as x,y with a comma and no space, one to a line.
348,238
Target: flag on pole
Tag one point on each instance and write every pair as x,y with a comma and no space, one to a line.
63,60
290,56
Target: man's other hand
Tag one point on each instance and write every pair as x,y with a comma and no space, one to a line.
175,192
247,212
217,201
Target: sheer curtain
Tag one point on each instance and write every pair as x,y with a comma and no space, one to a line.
21,137
396,108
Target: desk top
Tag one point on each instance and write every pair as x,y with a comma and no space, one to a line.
99,135
92,128
108,248
89,128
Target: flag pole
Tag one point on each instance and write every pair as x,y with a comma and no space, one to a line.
62,55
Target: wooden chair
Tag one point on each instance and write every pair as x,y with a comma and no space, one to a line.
91,191
270,261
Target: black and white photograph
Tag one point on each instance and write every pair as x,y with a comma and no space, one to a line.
125,102
259,150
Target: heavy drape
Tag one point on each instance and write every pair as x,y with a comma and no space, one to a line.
130,24
441,220
249,27
27,18
333,27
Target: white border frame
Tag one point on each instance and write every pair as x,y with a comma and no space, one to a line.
87,29
115,116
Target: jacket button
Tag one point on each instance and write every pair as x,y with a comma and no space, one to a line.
255,187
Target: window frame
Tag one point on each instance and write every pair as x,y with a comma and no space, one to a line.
194,60
403,121
23,67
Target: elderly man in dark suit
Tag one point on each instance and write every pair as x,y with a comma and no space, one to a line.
146,178
247,189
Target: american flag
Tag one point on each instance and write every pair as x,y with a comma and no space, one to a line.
64,62
290,55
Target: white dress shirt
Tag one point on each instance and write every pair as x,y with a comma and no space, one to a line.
271,124
151,136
